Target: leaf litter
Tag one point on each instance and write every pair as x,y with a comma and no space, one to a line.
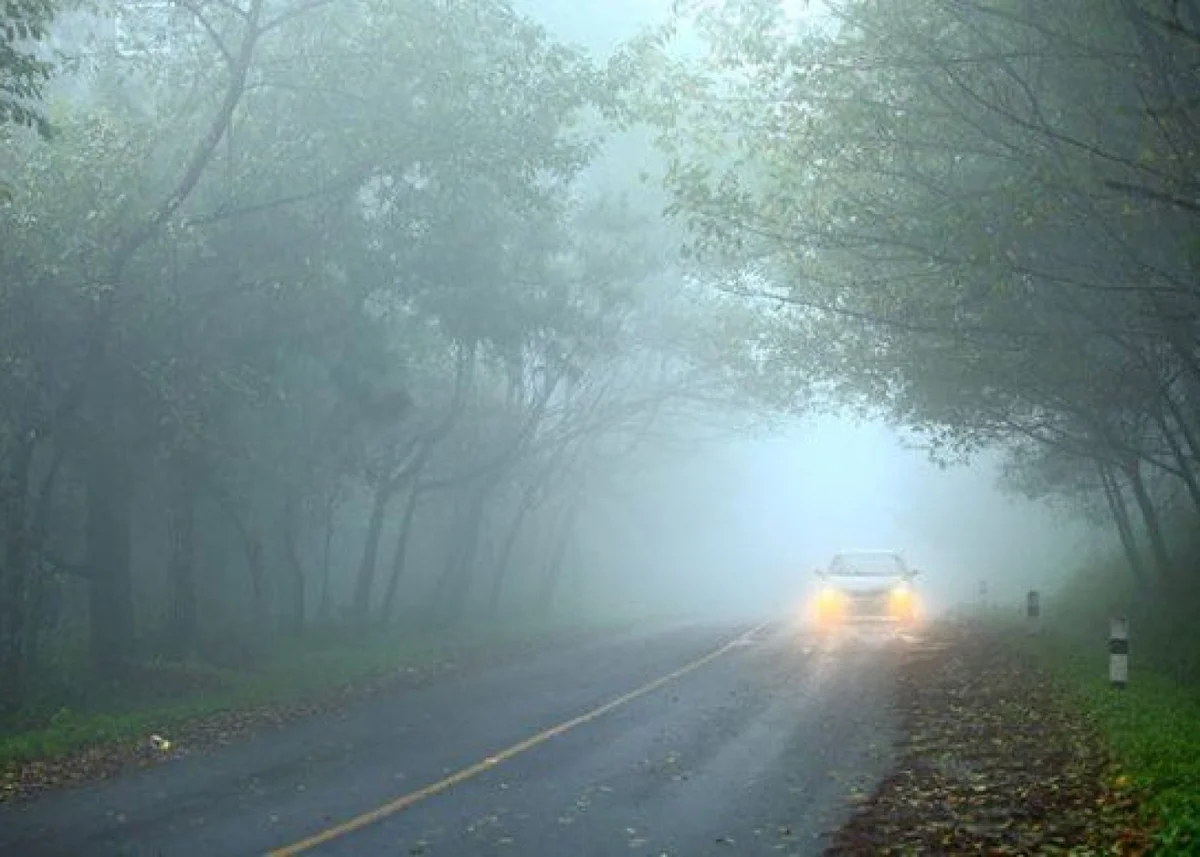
995,762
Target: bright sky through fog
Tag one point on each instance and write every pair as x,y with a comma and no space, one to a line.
600,25
765,511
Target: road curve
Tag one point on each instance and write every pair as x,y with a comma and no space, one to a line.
670,742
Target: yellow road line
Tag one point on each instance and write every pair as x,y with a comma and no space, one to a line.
405,801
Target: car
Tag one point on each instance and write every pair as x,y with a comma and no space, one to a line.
866,587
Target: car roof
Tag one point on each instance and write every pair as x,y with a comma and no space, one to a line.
870,552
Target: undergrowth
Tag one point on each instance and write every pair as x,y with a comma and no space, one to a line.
1153,725
1153,729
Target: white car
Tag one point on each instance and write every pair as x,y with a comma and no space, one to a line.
866,587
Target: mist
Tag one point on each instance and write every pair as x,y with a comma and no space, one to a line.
428,424
738,525
565,310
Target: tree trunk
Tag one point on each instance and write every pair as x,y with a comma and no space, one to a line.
109,516
184,622
108,480
399,557
366,572
1120,513
258,583
15,572
1154,531
42,601
564,455
504,558
552,572
330,514
298,616
454,586
252,550
418,455
45,593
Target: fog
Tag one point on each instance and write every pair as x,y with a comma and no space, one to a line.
739,525
313,328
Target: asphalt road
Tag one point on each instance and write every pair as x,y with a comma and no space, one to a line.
734,749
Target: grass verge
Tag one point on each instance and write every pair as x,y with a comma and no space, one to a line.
1153,728
168,711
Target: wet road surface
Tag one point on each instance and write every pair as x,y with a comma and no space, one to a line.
698,739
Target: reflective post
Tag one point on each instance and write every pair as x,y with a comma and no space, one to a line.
1118,652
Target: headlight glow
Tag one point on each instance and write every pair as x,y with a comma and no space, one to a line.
903,602
828,605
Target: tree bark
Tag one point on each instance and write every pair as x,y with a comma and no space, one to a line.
399,557
366,570
41,600
184,621
565,454
258,583
109,517
415,459
108,474
552,572
454,586
298,617
44,597
1120,513
330,513
504,558
14,574
1154,531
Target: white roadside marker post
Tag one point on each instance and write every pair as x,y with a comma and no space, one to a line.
1118,652
1033,610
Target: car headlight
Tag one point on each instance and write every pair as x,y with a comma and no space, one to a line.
903,601
829,594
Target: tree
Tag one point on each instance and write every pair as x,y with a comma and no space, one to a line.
969,215
239,303
24,71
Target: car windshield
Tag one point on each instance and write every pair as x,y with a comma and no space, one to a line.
867,564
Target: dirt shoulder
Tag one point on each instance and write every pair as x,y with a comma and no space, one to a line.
995,761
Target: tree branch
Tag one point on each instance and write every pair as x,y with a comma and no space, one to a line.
1152,194
295,12
203,154
217,38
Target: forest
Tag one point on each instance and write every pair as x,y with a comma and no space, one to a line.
979,220
312,316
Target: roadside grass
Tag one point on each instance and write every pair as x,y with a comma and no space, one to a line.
1153,729
161,698
1153,726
